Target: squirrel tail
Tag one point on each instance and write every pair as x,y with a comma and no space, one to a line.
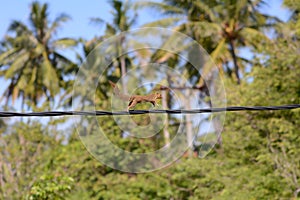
115,87
118,93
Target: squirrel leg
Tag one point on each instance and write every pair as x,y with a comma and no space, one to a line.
153,103
131,104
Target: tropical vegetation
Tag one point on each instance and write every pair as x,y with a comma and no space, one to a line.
257,155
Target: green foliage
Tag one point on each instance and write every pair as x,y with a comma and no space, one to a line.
51,187
221,27
21,154
258,156
271,137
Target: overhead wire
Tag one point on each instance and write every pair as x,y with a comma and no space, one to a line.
139,112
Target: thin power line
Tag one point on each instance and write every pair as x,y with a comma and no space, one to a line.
138,112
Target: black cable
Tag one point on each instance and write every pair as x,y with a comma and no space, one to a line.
138,112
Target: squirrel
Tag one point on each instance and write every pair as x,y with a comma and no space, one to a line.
135,99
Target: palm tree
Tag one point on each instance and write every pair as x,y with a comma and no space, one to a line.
31,59
122,21
220,26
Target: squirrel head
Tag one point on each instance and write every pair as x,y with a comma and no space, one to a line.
158,95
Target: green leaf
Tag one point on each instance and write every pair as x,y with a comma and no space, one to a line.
17,65
65,43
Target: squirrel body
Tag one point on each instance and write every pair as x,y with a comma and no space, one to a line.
135,99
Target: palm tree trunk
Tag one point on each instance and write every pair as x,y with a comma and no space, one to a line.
165,106
122,63
234,58
123,72
189,128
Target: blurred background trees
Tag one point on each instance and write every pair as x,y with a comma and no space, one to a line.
259,156
31,59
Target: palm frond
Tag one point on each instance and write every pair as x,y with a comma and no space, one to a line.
49,79
57,23
18,27
68,65
253,37
219,49
97,21
17,65
64,43
166,22
204,29
6,57
206,9
164,8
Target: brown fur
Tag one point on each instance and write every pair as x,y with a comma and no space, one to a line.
135,99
